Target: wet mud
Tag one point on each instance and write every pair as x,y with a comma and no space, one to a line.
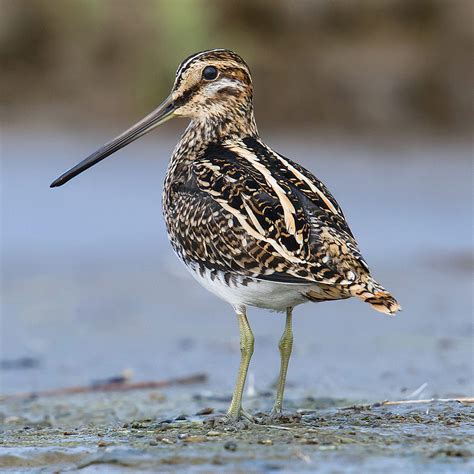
91,290
134,431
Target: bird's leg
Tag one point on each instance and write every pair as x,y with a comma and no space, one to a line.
246,350
285,346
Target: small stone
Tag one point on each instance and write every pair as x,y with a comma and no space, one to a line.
213,433
230,446
266,442
12,419
205,411
195,439
183,435
102,444
153,443
327,447
181,418
166,441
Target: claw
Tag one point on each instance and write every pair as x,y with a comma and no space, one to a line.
248,416
241,419
277,416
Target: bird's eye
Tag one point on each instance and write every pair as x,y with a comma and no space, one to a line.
209,73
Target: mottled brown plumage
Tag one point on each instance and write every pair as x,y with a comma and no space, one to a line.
237,209
252,226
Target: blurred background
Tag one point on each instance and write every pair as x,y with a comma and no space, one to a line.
374,96
348,65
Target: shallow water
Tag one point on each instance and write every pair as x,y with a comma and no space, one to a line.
91,286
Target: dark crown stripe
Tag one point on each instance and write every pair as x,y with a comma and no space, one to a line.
189,60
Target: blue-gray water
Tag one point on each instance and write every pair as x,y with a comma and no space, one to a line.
91,286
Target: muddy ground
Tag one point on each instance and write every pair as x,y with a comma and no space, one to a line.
127,432
90,288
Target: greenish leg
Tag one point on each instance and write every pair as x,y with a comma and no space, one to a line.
246,351
285,346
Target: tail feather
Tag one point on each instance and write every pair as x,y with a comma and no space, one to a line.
377,296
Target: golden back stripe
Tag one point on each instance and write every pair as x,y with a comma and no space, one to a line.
288,208
313,188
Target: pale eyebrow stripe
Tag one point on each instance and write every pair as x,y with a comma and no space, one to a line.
184,65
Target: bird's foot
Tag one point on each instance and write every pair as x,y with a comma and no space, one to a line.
240,420
250,418
276,416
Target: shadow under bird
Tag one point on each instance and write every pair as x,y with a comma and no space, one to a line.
252,226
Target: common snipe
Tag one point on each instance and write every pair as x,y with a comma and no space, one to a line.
252,226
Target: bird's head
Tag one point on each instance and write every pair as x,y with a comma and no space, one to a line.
211,83
212,87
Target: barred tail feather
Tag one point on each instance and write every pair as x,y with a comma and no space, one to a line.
384,302
377,296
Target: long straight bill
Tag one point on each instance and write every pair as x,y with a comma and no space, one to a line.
160,115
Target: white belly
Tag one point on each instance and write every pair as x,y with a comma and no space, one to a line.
251,292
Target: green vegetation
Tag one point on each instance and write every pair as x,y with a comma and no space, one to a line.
365,65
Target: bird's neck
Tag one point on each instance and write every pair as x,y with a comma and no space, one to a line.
232,123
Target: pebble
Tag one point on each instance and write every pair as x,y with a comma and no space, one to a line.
12,419
230,446
266,442
195,439
213,433
309,441
329,447
166,440
205,411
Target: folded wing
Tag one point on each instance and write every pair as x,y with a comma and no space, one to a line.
290,226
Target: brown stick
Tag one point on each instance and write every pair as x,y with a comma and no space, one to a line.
428,400
111,387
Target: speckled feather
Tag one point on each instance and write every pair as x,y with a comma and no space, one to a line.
237,210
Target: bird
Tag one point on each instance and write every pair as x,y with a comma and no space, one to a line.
252,226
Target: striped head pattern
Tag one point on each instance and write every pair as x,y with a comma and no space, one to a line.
212,83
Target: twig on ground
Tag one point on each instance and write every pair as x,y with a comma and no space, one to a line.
112,387
428,400
276,427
